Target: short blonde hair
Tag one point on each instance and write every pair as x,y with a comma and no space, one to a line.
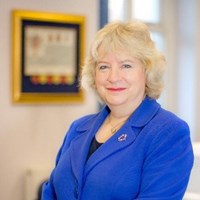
134,38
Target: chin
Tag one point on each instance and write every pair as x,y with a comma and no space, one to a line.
115,103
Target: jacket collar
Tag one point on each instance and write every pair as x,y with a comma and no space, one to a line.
145,112
142,115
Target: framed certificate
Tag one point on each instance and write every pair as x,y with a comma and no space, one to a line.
47,54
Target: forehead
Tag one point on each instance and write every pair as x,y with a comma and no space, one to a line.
118,48
120,56
102,53
117,56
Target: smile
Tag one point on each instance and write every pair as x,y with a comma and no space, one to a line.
116,89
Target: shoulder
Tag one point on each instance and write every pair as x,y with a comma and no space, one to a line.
81,124
77,127
168,134
169,120
84,122
168,131
84,119
150,114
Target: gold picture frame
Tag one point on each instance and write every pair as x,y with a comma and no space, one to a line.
47,52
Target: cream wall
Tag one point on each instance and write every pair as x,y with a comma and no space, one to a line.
30,135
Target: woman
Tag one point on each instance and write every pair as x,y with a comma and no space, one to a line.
132,148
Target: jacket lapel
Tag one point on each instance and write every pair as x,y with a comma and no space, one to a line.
80,146
123,138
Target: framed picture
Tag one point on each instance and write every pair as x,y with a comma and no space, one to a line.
47,54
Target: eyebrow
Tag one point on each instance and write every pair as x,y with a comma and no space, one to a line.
99,62
127,61
122,61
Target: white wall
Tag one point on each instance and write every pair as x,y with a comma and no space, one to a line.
197,116
193,191
187,65
30,135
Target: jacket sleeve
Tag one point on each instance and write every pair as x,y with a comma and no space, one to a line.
167,165
48,192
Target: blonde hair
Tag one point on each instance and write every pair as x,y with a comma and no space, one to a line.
134,38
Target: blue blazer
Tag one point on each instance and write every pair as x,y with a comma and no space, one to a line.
149,158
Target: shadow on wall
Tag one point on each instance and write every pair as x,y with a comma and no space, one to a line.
34,179
39,193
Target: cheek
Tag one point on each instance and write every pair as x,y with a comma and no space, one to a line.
98,84
96,81
99,80
136,79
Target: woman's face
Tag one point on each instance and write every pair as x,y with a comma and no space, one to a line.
120,79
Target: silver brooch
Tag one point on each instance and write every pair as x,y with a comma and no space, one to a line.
122,137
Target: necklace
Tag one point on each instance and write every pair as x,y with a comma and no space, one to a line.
114,128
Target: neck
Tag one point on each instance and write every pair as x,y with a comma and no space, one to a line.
116,118
115,125
120,112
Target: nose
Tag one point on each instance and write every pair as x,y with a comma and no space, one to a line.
114,74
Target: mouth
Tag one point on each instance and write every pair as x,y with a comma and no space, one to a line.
116,89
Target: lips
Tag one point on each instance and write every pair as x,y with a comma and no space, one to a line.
116,89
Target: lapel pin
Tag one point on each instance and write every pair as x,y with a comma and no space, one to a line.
122,137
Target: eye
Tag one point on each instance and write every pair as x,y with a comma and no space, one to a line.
127,66
102,67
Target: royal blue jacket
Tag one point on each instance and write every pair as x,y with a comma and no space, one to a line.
149,158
